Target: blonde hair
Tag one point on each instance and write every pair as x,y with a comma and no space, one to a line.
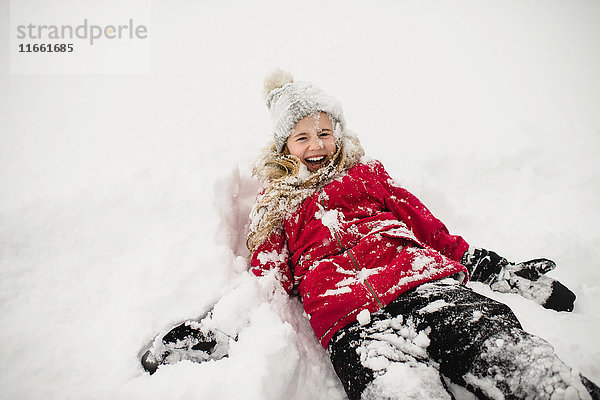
288,185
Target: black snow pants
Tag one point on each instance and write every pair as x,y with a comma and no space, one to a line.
442,339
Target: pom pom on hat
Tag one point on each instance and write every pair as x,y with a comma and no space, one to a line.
289,101
276,80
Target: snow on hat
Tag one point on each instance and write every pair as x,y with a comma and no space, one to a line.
290,101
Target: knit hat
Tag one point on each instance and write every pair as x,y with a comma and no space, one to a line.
290,101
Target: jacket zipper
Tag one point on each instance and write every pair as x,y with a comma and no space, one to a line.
354,262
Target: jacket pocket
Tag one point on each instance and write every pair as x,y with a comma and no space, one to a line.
401,232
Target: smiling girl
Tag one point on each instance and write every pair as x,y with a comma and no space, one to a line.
381,279
311,141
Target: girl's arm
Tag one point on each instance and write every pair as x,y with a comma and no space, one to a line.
526,278
273,254
427,228
208,338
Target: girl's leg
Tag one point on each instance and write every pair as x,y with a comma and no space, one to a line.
385,359
346,362
480,344
471,339
523,366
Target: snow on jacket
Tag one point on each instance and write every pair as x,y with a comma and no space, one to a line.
357,244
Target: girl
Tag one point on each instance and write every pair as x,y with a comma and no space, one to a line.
381,279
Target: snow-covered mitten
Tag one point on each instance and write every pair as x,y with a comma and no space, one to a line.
525,278
187,341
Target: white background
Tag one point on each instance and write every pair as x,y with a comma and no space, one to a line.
124,197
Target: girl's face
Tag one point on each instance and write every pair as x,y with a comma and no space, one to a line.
312,140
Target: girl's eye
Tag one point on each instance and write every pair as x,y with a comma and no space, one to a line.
324,134
301,139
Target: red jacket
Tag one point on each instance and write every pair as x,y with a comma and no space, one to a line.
358,244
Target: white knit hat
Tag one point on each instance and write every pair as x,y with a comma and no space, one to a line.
290,101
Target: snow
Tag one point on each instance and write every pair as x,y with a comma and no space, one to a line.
435,306
363,317
271,256
421,262
125,197
419,381
337,291
396,350
332,219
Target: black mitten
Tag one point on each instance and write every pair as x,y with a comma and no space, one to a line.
526,278
187,341
483,265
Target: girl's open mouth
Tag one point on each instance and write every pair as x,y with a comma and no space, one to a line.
315,162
